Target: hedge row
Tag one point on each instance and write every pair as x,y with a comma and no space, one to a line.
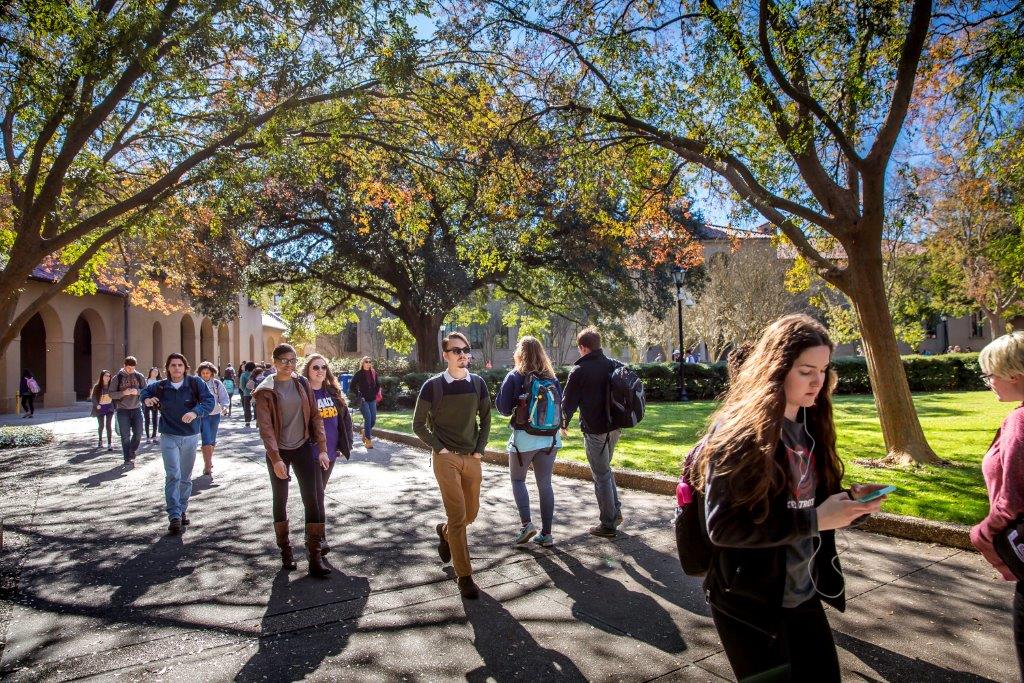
950,372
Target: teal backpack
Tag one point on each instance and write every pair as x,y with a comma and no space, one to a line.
539,410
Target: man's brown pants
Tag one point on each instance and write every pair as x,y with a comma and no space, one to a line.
458,476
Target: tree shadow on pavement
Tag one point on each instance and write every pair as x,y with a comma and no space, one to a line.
893,666
305,624
606,604
509,652
156,564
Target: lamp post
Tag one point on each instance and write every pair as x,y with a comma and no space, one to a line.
945,332
678,276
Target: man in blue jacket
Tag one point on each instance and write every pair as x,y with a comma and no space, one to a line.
182,399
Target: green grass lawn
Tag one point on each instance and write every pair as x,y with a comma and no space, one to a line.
959,427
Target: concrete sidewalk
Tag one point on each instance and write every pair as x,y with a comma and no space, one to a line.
102,592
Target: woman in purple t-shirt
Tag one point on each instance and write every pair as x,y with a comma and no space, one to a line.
334,410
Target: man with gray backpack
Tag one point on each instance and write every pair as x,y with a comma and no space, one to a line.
453,417
609,397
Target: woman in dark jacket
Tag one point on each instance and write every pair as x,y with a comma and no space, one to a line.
333,406
366,385
771,479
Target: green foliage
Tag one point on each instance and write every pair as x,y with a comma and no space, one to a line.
24,437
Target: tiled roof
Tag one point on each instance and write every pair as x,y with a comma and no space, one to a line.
52,272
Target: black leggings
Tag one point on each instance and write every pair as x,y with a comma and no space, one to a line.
307,471
1018,625
152,416
101,420
802,649
28,403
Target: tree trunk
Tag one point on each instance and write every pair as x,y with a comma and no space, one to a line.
904,439
995,322
424,328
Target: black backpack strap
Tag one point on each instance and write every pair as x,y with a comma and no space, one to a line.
436,391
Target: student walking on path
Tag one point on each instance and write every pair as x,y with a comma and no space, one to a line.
28,387
183,400
290,425
102,407
151,413
229,378
586,389
771,478
1002,363
531,395
367,389
333,407
245,392
453,417
125,388
210,424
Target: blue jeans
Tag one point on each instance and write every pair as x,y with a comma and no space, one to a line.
129,423
179,454
369,411
600,448
543,464
208,426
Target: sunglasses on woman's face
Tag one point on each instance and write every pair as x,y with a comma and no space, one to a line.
318,367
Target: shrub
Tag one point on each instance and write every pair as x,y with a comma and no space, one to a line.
23,437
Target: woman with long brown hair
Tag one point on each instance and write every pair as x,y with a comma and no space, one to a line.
102,406
772,484
333,407
532,395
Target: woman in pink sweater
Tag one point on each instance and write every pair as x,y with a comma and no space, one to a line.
1002,363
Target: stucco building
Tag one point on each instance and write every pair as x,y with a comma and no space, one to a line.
73,338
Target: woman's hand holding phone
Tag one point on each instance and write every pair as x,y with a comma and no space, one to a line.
840,510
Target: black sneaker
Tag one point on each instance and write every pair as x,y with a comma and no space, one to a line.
603,532
174,528
185,521
468,588
443,549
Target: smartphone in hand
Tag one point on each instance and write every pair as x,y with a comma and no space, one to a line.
877,493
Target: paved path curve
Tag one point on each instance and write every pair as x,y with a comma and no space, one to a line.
102,593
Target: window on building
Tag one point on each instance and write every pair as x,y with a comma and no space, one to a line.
350,338
476,336
501,339
977,325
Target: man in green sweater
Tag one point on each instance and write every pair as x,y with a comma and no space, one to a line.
453,417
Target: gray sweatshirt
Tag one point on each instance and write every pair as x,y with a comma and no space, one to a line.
122,381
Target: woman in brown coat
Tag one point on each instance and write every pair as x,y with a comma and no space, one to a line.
290,424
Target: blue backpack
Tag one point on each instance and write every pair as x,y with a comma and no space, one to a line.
539,410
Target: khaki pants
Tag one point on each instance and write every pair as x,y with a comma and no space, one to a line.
458,476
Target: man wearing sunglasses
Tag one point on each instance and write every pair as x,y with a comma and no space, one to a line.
453,417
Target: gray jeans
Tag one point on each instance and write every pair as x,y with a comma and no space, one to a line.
600,448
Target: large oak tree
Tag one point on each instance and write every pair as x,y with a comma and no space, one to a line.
793,109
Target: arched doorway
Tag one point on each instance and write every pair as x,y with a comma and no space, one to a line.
188,340
252,348
158,345
83,357
206,340
223,346
34,351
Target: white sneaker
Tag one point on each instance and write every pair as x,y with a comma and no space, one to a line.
526,533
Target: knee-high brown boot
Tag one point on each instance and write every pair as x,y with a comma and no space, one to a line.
314,534
283,542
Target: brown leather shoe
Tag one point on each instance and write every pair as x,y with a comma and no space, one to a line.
443,549
315,532
285,544
468,588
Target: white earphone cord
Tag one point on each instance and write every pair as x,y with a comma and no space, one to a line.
835,560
